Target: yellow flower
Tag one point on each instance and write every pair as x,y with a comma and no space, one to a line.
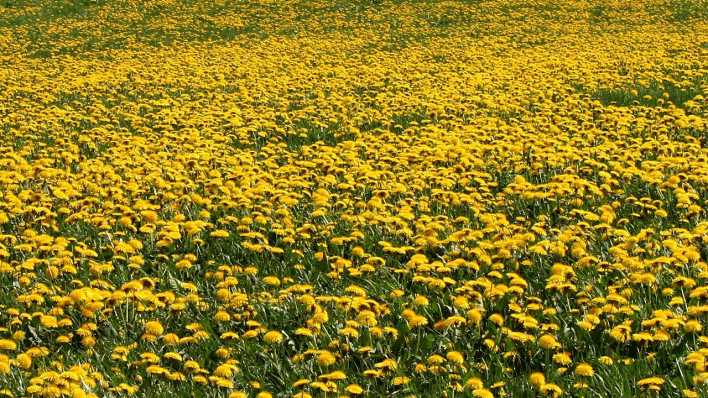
354,389
301,382
4,366
475,316
273,337
421,301
551,390
474,383
548,342
271,281
173,356
400,380
387,363
225,370
605,360
435,359
49,322
222,316
497,319
336,376
154,328
326,358
584,369
170,339
303,332
455,357
358,251
24,361
537,379
693,326
652,383
482,393
562,358
7,345
156,370
18,336
219,233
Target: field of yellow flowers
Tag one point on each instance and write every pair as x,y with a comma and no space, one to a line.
330,198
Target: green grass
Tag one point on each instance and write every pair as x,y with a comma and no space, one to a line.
683,10
653,94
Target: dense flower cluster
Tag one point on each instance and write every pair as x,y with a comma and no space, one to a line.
353,198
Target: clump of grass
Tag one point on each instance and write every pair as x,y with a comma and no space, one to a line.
652,94
597,13
682,10
308,133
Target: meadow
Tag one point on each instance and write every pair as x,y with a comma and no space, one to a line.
302,199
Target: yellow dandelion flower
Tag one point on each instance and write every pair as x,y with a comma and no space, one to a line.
584,369
273,337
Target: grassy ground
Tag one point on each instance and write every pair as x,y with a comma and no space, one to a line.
353,198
